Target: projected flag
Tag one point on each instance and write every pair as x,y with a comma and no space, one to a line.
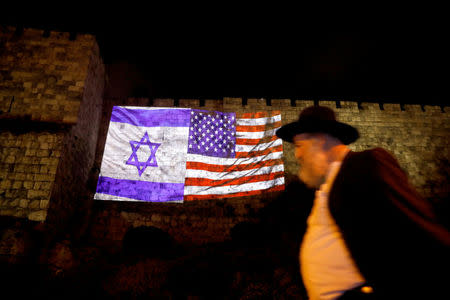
177,154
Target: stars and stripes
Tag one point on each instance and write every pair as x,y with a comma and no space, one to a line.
256,166
212,133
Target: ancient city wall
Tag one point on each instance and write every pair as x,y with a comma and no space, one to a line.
53,129
51,88
417,135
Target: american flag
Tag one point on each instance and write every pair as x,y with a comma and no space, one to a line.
238,156
178,154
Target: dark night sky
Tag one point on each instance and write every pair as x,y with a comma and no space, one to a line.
220,55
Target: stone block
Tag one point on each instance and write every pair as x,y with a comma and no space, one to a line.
391,107
10,159
370,106
70,119
5,184
37,194
17,185
23,203
156,218
328,103
163,102
214,105
256,104
28,184
281,103
301,104
232,103
34,204
432,108
43,204
39,215
190,103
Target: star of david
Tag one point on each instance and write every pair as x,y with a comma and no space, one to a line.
151,161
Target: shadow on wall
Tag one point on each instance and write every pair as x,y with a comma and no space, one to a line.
148,242
258,262
440,189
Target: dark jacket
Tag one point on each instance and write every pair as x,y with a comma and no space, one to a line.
391,231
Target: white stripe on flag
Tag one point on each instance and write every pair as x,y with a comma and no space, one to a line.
255,135
232,161
230,189
100,196
192,173
259,147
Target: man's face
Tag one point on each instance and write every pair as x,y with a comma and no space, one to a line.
312,158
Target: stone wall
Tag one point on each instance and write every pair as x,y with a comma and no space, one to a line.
418,136
51,89
29,163
53,129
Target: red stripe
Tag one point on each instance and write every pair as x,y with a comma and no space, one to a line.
240,194
256,128
260,114
278,148
226,168
232,181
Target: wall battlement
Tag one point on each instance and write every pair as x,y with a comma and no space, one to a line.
288,104
38,34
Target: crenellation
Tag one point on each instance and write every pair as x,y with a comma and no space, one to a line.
256,104
189,103
163,102
133,101
281,103
349,106
328,103
30,33
59,36
392,107
232,103
432,109
369,106
7,31
413,108
213,104
300,104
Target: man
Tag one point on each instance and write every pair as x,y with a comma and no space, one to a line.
369,234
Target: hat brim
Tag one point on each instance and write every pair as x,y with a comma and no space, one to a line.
344,132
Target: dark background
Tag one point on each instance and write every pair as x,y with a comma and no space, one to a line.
216,53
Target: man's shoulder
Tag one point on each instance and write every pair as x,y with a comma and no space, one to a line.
370,161
373,152
372,155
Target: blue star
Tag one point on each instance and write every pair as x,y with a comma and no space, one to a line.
151,161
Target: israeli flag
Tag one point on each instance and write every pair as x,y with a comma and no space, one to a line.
145,155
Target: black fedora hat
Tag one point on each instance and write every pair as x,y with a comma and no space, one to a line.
316,119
